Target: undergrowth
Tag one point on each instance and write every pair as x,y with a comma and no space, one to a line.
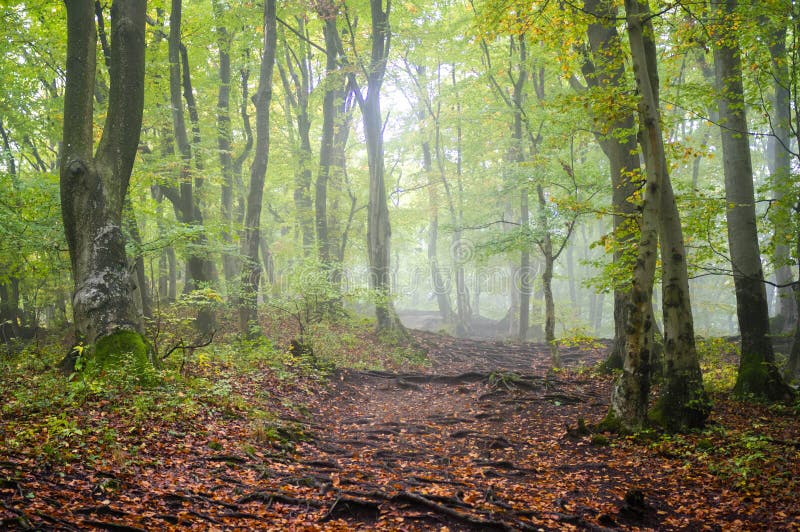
102,414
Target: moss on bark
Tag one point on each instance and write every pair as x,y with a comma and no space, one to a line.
123,348
760,380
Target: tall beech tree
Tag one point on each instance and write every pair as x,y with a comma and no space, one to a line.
758,375
94,186
604,71
296,78
200,269
251,270
379,230
683,403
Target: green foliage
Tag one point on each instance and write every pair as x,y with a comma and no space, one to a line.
718,361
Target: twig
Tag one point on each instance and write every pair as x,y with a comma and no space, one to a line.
181,345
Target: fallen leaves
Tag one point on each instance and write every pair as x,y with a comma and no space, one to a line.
476,442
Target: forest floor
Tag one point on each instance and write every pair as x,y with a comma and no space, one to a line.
480,437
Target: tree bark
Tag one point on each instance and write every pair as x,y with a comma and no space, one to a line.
463,307
758,375
93,187
296,81
683,403
251,271
333,90
546,246
225,149
199,268
606,71
378,226
779,161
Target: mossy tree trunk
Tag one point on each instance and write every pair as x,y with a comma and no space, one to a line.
94,186
631,390
683,403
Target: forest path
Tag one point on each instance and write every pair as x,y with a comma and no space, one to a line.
485,438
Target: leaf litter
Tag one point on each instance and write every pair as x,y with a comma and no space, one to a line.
484,438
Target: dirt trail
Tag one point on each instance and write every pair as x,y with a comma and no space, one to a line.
484,439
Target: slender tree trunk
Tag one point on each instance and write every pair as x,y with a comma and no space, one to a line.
225,150
248,310
606,71
439,288
758,374
779,160
683,403
378,227
546,247
295,78
464,309
9,302
792,370
199,269
329,114
94,186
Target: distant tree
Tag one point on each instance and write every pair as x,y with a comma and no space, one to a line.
200,269
379,230
94,185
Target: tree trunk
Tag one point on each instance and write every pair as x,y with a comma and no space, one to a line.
295,78
464,309
779,161
606,71
93,187
439,288
378,227
251,272
199,269
224,141
546,247
792,370
758,375
329,114
683,403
